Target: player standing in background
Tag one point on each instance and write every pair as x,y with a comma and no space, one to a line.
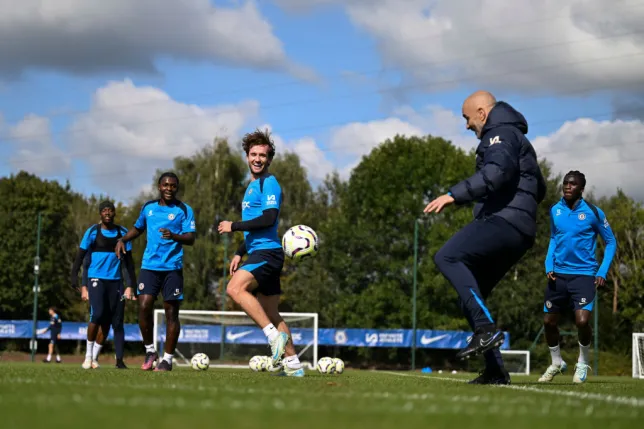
507,187
260,274
104,284
573,272
170,225
55,328
117,319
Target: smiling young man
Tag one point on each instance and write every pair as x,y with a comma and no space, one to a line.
507,188
261,272
103,282
170,225
573,271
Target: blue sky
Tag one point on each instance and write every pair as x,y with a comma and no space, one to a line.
332,81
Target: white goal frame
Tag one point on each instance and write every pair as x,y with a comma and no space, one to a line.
314,344
638,355
519,352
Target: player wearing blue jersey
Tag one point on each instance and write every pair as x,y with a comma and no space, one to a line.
102,282
55,328
260,274
170,225
573,271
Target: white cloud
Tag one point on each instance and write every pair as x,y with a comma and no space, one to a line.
130,131
33,148
89,36
551,45
609,153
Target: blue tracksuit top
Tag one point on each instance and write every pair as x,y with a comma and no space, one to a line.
573,240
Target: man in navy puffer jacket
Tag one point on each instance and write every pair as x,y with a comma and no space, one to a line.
506,189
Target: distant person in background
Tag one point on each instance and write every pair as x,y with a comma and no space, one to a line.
55,328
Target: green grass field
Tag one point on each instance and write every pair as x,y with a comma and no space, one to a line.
65,396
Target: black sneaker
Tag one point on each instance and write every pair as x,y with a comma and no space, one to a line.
480,343
120,364
492,377
163,366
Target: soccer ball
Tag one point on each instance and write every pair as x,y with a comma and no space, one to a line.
339,365
326,366
300,241
258,363
200,362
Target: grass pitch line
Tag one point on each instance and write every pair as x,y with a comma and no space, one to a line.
612,399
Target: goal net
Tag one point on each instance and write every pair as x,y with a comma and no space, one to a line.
231,338
638,355
517,362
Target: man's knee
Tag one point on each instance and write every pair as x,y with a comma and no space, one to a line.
444,257
551,321
582,318
239,284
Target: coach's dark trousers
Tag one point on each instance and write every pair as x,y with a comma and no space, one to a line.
474,260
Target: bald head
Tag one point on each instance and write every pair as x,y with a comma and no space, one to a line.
476,108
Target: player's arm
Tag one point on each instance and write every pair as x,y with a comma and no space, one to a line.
239,254
86,242
603,228
133,233
500,163
265,220
550,256
241,250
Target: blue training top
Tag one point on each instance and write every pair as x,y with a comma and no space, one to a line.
573,240
262,194
161,254
103,265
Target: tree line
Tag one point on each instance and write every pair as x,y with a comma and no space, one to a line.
362,276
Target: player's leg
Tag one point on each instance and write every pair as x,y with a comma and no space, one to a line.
555,300
50,347
291,364
118,314
259,267
149,287
172,288
95,290
582,291
473,246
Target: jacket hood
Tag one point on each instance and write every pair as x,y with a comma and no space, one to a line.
504,114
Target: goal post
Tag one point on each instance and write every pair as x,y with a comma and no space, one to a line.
231,338
638,355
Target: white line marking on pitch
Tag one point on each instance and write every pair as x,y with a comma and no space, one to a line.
624,400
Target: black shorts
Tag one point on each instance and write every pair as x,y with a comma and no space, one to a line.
169,283
53,336
266,267
569,291
104,299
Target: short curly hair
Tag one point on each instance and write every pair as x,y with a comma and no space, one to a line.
259,138
581,177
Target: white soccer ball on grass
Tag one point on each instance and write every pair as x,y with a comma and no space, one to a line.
339,365
326,366
200,362
258,363
299,242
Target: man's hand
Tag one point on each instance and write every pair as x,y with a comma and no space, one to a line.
225,226
234,264
439,203
84,293
600,281
551,276
129,294
166,233
119,249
